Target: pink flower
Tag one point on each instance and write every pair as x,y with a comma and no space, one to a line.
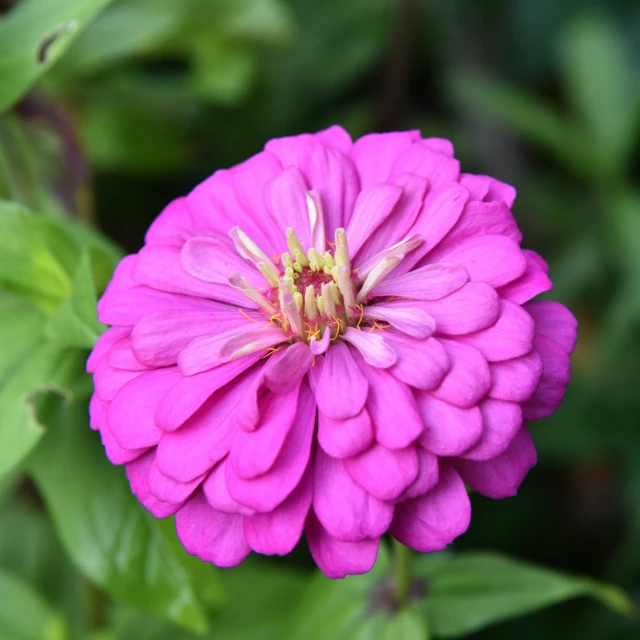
331,337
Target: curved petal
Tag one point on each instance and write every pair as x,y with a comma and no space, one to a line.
138,476
555,321
531,283
516,379
374,155
372,347
345,438
432,282
422,364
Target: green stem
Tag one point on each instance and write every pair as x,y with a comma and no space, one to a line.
402,560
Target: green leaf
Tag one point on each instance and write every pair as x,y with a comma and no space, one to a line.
407,624
33,36
337,609
604,87
469,591
107,533
24,615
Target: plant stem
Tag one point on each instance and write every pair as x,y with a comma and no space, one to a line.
402,560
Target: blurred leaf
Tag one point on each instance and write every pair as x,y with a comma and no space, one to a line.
604,87
107,533
408,624
527,116
24,615
469,591
33,36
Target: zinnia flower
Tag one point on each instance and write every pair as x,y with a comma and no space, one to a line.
331,338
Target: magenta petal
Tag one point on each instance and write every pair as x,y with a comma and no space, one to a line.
206,438
104,343
121,356
97,412
510,337
500,477
432,521
108,380
375,153
469,378
531,283
493,259
448,430
266,492
478,185
346,510
169,490
432,282
336,137
427,478
555,321
472,307
286,198
422,364
516,379
278,532
172,225
115,453
342,389
286,368
254,452
500,192
397,422
217,493
131,412
138,475
211,535
373,205
422,160
335,558
373,348
501,421
384,473
556,371
345,438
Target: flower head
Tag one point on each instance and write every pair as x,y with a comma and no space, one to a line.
331,337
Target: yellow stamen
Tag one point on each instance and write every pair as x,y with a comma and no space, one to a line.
246,316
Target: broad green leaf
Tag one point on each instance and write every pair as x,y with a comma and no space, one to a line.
604,87
105,531
24,615
33,36
27,265
74,322
337,609
528,116
469,591
408,624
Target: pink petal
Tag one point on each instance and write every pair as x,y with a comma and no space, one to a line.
217,493
104,343
375,154
211,351
537,258
138,475
172,225
493,259
516,379
169,490
286,198
556,371
159,267
188,394
427,478
478,185
500,477
346,510
372,346
121,356
254,452
122,277
342,390
97,412
510,337
211,535
393,409
115,453
278,532
131,412
206,438
500,192
555,321
422,160
440,145
531,283
286,368
501,420
108,380
433,282
373,205
335,136
338,559
448,430
422,364
159,337
432,521
404,316
345,438
469,378
325,169
266,492
472,307
384,473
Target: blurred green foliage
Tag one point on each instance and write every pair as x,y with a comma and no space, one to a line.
109,109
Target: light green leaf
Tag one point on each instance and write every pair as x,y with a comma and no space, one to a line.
408,624
108,535
33,36
604,87
469,591
24,615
